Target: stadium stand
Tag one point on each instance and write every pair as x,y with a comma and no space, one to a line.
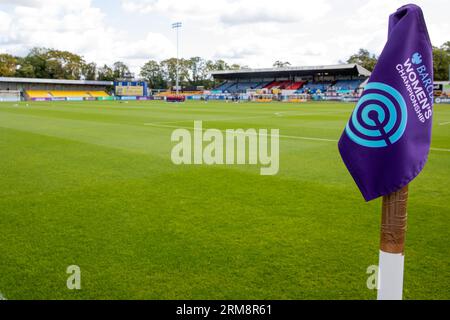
313,87
223,86
346,85
98,94
321,79
295,85
286,84
64,94
281,84
48,89
37,94
272,84
237,87
261,85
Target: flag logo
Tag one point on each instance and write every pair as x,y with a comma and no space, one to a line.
380,117
416,58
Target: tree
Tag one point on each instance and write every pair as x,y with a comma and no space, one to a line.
36,58
441,62
105,73
120,69
24,68
151,71
209,81
51,63
281,64
169,69
446,47
89,71
197,68
64,64
220,65
364,58
8,65
236,66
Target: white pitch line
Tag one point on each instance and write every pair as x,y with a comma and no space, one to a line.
204,129
278,114
281,135
444,123
227,119
440,149
2,297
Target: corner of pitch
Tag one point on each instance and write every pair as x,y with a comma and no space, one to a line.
232,147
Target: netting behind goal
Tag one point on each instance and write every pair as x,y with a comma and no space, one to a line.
9,95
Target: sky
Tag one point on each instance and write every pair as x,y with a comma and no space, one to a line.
254,33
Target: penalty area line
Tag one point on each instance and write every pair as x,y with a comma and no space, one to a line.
277,114
440,149
281,135
204,129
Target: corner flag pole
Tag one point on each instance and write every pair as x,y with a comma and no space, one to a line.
392,245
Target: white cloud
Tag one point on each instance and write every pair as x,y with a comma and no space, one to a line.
232,12
76,26
249,32
258,32
5,21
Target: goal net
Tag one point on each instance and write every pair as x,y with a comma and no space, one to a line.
9,95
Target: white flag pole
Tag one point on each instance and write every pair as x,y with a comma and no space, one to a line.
392,244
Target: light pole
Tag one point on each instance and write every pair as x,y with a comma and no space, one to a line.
177,26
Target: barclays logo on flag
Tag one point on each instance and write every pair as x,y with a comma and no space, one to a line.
416,58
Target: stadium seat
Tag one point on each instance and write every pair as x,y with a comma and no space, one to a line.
313,87
272,84
345,86
295,86
65,94
98,94
238,87
38,94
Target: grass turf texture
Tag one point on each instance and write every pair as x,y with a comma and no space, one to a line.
89,184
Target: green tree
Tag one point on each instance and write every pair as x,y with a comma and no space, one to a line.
120,69
24,68
364,58
64,64
220,65
151,71
446,47
441,62
196,67
53,64
36,58
236,66
89,71
169,71
8,65
105,73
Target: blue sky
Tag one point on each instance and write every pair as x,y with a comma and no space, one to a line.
249,32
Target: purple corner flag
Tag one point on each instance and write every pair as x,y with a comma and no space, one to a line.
387,139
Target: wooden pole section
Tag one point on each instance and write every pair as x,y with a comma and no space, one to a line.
392,245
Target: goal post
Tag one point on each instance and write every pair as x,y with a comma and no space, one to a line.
9,95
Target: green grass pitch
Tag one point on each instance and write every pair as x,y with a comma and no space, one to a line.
88,184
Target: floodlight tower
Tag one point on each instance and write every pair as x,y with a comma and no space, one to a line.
177,26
